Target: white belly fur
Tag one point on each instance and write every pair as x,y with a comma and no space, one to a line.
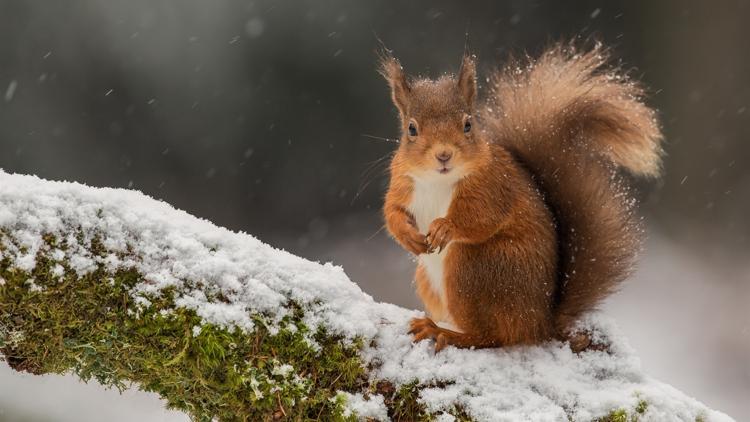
431,197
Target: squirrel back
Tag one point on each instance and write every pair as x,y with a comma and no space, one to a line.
574,122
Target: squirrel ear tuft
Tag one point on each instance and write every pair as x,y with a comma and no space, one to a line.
392,71
467,79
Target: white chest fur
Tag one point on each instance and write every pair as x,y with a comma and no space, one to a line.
431,198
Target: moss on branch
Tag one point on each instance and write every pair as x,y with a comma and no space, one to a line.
54,322
89,326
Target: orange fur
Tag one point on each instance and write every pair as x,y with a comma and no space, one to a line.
519,222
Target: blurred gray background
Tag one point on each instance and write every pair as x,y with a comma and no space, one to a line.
263,116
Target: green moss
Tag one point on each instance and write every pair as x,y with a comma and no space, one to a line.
89,326
623,415
403,402
619,415
641,407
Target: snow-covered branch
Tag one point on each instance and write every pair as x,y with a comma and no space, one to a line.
113,285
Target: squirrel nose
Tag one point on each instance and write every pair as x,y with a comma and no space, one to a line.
444,156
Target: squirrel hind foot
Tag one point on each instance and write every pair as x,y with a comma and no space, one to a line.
425,328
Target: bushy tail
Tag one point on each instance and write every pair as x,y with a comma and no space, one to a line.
573,121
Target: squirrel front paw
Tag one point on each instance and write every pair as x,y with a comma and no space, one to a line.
440,234
414,242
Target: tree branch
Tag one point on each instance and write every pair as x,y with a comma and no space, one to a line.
115,286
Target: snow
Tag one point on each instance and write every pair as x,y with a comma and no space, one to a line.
371,407
172,248
11,90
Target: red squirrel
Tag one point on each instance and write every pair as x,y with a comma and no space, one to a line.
516,207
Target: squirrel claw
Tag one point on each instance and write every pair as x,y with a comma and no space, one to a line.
441,342
439,235
425,328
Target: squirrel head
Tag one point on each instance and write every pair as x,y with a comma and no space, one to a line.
438,134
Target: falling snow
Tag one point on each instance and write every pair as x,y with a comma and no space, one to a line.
11,90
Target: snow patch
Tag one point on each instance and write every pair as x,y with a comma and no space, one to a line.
372,407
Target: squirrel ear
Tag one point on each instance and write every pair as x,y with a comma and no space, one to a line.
467,79
392,71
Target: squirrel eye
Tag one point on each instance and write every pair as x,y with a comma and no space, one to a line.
467,126
412,130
